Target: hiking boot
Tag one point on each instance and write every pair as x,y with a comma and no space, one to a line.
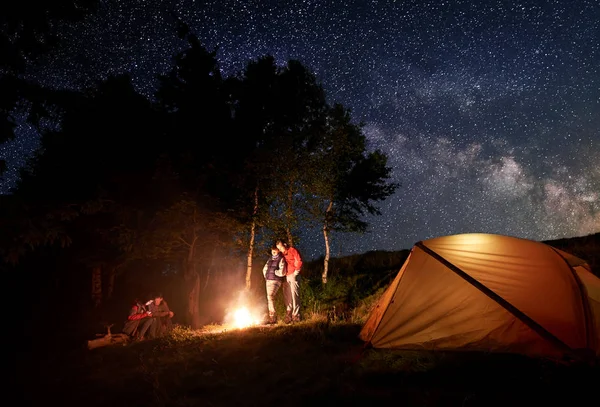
288,318
272,319
296,318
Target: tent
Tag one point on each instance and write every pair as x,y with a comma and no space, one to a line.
490,293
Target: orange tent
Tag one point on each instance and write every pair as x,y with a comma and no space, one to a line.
489,293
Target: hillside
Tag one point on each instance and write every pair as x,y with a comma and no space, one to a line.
312,363
320,360
585,247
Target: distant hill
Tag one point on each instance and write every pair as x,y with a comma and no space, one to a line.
584,247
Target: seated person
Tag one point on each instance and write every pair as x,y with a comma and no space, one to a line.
160,312
139,321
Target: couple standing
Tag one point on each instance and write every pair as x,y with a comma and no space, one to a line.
283,269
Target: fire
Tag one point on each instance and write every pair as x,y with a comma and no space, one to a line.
242,318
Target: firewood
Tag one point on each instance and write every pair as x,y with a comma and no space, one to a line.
108,339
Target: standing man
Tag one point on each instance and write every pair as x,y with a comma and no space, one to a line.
291,286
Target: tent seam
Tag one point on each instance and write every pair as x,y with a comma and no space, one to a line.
391,299
584,302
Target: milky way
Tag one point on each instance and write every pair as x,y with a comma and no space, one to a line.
489,112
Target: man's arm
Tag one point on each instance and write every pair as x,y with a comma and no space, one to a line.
170,313
166,311
156,311
297,260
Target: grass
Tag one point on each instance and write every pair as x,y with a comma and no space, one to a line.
319,361
313,362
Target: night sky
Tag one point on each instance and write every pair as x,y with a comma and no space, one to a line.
489,111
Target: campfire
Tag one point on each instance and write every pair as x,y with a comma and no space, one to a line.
243,318
243,313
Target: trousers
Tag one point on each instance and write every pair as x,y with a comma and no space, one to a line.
291,294
272,288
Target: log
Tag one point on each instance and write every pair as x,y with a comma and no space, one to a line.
108,339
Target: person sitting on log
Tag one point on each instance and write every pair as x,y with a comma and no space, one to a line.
162,315
139,321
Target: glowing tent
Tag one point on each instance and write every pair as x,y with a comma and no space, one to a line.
489,293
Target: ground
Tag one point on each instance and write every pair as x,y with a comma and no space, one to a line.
303,364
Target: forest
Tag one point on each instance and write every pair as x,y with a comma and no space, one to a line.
182,191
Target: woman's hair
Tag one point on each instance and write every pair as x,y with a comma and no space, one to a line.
283,242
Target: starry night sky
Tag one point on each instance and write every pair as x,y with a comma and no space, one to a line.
489,111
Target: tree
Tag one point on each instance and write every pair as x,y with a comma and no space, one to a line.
187,233
200,151
344,181
254,95
28,30
98,163
302,109
276,111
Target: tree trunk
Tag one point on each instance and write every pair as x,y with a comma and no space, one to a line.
327,248
250,254
193,301
289,214
251,246
110,289
97,286
210,267
192,280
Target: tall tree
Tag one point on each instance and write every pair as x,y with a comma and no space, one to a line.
276,110
344,181
201,153
100,158
187,233
28,30
254,95
302,110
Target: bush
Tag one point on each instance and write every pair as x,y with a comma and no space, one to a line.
354,284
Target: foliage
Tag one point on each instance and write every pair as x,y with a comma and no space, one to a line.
29,29
355,282
172,232
80,186
177,182
343,179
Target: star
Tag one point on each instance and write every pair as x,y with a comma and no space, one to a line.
487,111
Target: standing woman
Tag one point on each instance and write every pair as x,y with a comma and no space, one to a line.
274,271
291,286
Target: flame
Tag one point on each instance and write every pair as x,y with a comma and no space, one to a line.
242,318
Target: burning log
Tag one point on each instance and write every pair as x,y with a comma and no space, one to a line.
108,339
